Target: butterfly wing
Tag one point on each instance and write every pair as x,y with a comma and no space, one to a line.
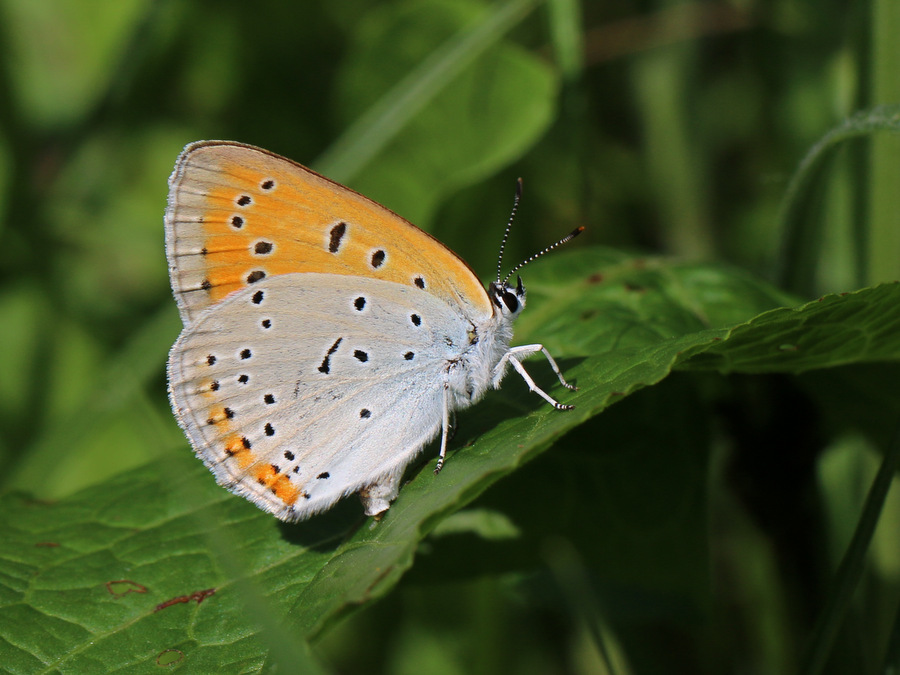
238,214
307,387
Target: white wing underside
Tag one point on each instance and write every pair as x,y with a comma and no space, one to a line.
331,383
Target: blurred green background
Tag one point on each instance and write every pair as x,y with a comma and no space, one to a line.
666,127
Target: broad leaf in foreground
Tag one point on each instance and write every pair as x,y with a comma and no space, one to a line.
161,566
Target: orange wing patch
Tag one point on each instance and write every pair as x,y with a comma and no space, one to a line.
242,214
279,484
239,448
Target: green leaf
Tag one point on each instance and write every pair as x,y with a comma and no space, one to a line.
835,330
416,68
55,87
160,563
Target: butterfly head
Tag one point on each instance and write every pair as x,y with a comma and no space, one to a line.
509,300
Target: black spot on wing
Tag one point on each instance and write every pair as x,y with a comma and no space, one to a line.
326,362
337,234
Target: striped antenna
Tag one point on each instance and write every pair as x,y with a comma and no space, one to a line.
569,237
512,216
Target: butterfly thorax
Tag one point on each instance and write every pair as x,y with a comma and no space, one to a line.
475,370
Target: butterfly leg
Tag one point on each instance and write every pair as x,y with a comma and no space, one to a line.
445,429
514,357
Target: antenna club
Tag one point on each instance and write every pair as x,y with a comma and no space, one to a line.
569,237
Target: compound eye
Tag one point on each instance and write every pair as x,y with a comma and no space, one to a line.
511,301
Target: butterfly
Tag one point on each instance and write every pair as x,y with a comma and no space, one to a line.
326,339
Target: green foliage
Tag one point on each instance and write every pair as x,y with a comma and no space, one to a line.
718,517
88,578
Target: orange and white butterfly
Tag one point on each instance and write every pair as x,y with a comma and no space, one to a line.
326,340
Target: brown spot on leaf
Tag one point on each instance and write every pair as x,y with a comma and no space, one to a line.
199,596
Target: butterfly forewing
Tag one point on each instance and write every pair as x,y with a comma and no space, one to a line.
305,387
238,215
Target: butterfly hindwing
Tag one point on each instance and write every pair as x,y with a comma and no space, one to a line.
238,215
305,387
